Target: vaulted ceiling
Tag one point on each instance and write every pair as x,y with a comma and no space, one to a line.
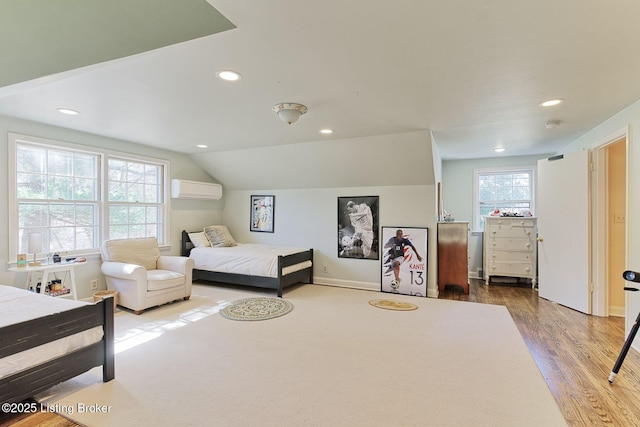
471,73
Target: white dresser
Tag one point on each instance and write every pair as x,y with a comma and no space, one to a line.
509,247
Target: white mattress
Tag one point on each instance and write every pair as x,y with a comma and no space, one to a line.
19,305
253,259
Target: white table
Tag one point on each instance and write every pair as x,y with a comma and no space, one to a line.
47,269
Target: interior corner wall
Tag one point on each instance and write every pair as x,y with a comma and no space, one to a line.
458,194
307,218
184,214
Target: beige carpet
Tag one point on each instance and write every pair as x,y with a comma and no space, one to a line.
333,361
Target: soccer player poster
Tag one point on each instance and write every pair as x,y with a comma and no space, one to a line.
404,260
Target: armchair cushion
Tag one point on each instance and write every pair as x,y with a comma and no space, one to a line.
163,279
140,251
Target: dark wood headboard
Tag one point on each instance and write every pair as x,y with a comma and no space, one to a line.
185,243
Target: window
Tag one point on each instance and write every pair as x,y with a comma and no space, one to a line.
508,190
57,191
135,199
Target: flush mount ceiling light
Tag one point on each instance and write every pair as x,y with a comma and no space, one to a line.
68,111
552,124
228,75
552,102
326,131
202,146
289,112
499,149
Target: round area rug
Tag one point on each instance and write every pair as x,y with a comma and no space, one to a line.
259,308
389,304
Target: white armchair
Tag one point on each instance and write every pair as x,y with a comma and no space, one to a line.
143,277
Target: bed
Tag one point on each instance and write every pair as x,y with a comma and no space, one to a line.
290,266
46,340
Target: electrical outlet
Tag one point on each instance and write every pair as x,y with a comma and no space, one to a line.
94,284
326,270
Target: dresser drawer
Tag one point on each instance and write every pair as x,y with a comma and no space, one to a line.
511,269
511,244
509,256
510,230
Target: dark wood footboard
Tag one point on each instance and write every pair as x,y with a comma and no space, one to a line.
278,283
32,333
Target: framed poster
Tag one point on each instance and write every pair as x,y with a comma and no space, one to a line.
262,211
358,227
404,260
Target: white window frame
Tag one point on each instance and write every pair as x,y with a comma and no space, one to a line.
477,222
103,205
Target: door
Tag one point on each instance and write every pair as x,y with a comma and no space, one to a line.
563,230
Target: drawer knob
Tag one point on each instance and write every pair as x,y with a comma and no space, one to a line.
528,245
527,269
528,233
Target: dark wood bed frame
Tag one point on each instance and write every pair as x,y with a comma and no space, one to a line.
278,283
32,333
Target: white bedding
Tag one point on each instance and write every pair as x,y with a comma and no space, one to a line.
19,305
253,259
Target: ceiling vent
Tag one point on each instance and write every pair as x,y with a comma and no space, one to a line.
181,189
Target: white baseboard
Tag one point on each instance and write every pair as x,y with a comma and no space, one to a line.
366,286
616,311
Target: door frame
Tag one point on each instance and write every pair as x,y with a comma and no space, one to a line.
599,225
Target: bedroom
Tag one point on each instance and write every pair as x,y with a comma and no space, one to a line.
306,195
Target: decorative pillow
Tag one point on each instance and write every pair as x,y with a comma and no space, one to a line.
199,239
219,236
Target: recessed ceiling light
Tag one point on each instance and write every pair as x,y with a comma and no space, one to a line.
499,149
228,75
202,146
326,131
552,102
68,111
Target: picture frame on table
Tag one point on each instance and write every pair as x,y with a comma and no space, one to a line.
262,213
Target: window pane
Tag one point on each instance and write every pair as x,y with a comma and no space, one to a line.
85,189
30,159
85,216
135,192
60,188
118,214
60,163
32,215
30,186
85,166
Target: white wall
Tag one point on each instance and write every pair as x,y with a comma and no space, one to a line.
627,118
457,194
183,213
308,218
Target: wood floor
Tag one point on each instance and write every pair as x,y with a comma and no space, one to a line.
574,352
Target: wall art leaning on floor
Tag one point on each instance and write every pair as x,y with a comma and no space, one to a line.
404,260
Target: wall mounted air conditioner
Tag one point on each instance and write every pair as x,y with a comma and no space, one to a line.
181,189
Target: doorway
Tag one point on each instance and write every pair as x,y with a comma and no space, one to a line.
610,227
